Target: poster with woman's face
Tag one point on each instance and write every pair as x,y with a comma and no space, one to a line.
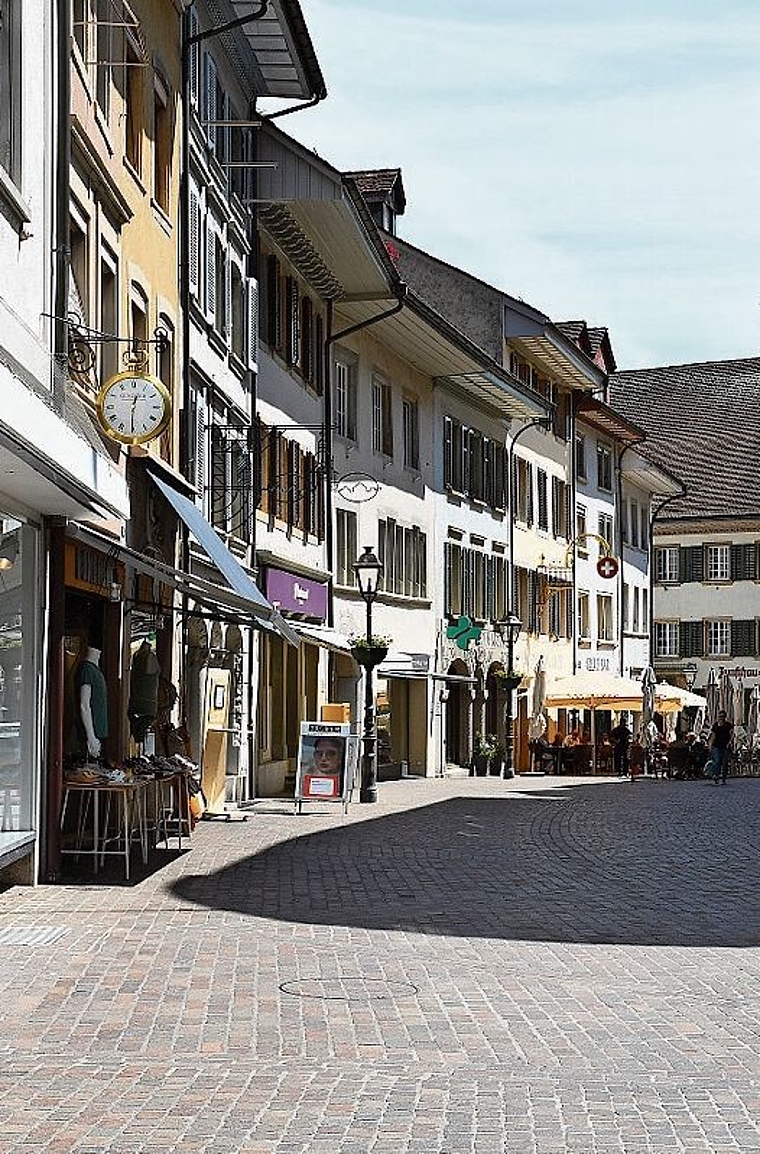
322,762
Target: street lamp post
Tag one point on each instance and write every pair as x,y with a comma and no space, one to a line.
690,670
510,628
368,572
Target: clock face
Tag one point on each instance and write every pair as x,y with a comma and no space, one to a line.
133,407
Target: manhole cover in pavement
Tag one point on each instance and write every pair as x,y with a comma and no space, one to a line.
349,989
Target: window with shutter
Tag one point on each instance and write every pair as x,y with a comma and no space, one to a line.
307,340
211,286
743,639
219,479
692,642
274,303
499,478
252,335
200,445
692,563
194,56
528,493
209,98
319,355
543,503
743,562
292,321
194,244
447,452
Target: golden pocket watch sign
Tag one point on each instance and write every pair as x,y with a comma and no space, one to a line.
133,407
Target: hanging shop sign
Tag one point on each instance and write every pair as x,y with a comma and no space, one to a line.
463,632
93,572
326,770
607,567
292,594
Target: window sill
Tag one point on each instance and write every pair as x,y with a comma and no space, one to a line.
605,643
12,203
584,642
162,216
237,365
134,174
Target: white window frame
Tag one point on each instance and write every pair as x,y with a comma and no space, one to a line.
584,615
666,564
666,639
718,563
604,461
605,622
718,637
345,371
346,535
410,419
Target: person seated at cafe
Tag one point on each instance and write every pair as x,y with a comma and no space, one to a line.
573,738
697,754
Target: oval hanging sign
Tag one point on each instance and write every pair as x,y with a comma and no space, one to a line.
607,567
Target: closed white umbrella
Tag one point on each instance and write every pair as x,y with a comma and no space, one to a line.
537,726
648,683
753,717
712,694
738,702
725,694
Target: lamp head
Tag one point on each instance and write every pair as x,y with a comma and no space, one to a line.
690,670
368,572
510,626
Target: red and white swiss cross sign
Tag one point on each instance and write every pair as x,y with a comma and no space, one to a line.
607,567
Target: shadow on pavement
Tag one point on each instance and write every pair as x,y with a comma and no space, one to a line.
650,863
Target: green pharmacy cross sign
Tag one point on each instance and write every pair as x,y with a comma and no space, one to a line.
463,632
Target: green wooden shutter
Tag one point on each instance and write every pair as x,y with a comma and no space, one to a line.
743,562
692,563
743,639
691,639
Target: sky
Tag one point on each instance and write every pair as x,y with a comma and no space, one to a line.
599,161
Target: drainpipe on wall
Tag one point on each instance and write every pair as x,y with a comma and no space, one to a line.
400,293
539,422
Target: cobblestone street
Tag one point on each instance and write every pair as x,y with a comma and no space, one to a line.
530,967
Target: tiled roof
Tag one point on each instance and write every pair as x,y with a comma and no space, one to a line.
572,329
596,336
375,181
703,423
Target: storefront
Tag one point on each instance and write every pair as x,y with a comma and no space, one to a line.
293,683
19,672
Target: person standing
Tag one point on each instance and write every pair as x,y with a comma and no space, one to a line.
621,740
721,735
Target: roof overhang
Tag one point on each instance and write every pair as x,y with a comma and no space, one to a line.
639,471
606,420
319,221
534,335
427,342
284,63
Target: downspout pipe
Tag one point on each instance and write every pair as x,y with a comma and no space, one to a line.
400,293
544,423
620,545
654,514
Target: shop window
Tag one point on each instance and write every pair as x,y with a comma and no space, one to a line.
16,657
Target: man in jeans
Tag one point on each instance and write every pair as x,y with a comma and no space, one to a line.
720,746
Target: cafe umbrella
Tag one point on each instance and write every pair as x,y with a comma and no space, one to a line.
594,691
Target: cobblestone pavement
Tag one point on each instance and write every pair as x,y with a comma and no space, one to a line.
530,967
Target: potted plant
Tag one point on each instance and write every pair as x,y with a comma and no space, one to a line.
509,681
484,753
369,651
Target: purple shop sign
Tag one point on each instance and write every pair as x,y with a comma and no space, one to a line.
292,594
